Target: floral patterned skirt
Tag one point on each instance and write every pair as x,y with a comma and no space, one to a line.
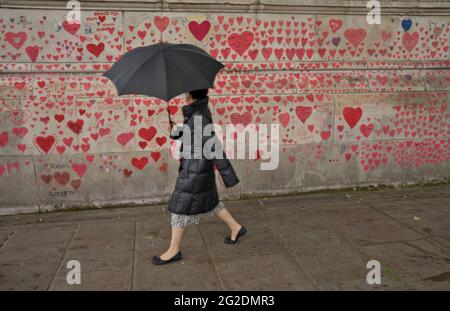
181,221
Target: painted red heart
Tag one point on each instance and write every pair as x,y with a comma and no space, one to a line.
141,34
366,129
45,178
266,52
335,24
385,35
32,52
199,31
127,172
21,147
18,131
147,133
352,115
4,137
104,131
161,140
124,138
410,40
62,178
79,168
16,39
161,22
139,163
59,117
75,126
325,134
303,113
95,49
382,79
75,183
284,119
163,167
155,155
45,142
71,27
172,109
240,42
355,35
244,118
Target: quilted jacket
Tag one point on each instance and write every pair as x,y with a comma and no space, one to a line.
195,189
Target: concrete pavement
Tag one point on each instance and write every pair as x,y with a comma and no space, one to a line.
319,241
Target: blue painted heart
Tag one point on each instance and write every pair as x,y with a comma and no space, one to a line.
406,24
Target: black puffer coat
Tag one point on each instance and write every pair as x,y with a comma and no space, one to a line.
195,189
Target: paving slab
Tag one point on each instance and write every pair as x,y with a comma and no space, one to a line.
368,226
408,209
27,276
435,225
4,236
326,256
262,241
443,243
304,201
37,245
104,249
62,217
321,241
195,272
383,195
419,264
439,203
387,283
105,279
258,272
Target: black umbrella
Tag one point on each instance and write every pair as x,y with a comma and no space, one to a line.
164,70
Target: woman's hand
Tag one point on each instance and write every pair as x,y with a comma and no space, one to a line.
170,126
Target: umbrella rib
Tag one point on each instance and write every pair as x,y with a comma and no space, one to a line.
192,48
179,73
188,61
193,67
165,72
129,54
211,58
202,53
147,85
137,67
185,59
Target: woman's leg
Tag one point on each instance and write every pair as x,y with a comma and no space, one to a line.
177,235
227,218
178,222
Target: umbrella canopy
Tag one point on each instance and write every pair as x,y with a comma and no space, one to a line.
164,70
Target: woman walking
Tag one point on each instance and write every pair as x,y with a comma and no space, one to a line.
195,189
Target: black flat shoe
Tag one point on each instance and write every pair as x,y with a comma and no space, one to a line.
241,232
158,261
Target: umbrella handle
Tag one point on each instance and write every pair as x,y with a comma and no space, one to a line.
170,118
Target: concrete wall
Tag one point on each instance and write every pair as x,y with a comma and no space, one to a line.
357,104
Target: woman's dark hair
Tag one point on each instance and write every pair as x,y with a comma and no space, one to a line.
199,94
